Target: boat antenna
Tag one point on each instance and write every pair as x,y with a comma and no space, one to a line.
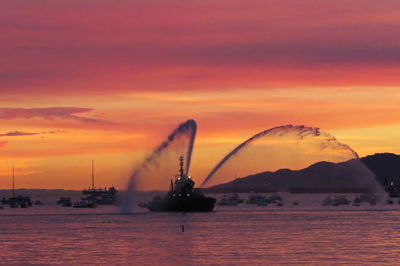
13,183
92,174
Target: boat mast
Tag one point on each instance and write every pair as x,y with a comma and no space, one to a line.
13,184
92,174
181,163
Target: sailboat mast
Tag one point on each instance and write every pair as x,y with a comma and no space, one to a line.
92,174
13,185
181,164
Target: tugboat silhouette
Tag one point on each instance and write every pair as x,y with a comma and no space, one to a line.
182,196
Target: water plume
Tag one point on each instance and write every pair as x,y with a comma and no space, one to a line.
294,147
157,168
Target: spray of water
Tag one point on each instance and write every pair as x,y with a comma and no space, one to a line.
294,146
154,172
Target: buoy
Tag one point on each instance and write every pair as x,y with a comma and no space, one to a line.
183,228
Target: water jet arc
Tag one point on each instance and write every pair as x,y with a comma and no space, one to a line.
188,128
300,131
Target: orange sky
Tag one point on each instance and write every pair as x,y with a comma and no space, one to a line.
108,80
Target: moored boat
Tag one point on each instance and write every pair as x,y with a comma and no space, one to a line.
336,201
38,202
255,198
15,201
99,195
85,204
65,202
232,200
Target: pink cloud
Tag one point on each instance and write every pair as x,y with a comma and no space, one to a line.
17,133
53,132
51,113
196,45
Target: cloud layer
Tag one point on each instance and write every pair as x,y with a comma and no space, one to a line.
86,46
17,133
51,113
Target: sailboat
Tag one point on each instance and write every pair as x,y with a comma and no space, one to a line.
13,201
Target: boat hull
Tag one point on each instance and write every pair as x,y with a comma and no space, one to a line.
182,204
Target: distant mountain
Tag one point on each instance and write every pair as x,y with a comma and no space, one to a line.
383,165
350,176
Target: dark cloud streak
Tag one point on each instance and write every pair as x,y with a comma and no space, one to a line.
17,133
51,113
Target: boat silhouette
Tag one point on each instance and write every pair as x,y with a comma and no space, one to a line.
15,201
182,196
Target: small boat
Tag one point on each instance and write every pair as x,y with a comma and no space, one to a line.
78,205
38,202
261,200
356,202
276,197
255,198
5,201
84,203
65,202
226,202
341,200
264,202
22,201
296,203
232,200
370,198
336,201
27,200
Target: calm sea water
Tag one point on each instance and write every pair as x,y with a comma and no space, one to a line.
304,234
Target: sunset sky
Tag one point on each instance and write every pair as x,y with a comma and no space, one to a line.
109,80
